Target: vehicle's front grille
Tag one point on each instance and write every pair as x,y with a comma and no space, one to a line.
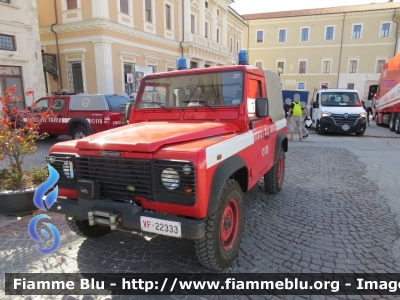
340,119
119,178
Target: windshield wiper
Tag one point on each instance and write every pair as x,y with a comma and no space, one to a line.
159,104
204,103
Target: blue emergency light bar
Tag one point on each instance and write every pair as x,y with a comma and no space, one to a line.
243,58
182,63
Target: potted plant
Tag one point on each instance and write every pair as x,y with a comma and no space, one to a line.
19,130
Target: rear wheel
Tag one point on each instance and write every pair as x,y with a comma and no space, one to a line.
82,228
221,244
273,180
79,132
391,121
397,124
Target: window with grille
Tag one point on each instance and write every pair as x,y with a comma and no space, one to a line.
206,30
75,77
124,6
350,86
282,35
385,29
217,35
192,24
353,66
7,42
379,65
356,31
301,86
260,36
326,67
302,67
329,33
154,68
281,65
231,45
72,4
168,17
304,34
148,10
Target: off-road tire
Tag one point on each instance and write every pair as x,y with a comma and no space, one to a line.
392,117
80,129
360,133
209,249
397,124
273,179
82,228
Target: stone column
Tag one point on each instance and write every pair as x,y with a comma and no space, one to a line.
188,23
104,66
100,9
202,18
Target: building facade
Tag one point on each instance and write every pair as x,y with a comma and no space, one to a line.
341,47
106,46
20,52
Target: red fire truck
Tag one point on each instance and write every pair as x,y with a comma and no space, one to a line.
196,140
387,107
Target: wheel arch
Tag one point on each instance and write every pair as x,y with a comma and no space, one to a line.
235,168
76,121
281,141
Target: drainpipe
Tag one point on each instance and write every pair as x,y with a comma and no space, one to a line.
340,55
183,25
397,25
59,81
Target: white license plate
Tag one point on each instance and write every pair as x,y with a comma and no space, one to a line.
162,227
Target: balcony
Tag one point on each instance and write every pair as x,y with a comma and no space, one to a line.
213,45
200,40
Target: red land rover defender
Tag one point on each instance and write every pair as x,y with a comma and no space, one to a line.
197,140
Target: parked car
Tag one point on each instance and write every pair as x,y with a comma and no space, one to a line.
82,115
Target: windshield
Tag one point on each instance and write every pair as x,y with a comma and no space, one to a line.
117,102
339,99
205,89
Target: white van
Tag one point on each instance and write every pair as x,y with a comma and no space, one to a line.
338,110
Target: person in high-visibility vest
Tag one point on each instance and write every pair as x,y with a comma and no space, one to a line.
296,115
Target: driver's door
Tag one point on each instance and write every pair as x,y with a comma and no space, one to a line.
315,109
41,106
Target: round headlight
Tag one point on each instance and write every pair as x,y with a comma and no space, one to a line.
68,169
170,179
187,169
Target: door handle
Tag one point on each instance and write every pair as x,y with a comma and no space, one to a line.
267,137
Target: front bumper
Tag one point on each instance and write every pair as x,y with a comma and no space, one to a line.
129,212
329,125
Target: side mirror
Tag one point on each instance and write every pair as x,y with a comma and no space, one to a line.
315,105
261,107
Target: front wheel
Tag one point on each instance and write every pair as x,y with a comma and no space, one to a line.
79,133
397,124
221,244
82,228
318,128
391,121
273,180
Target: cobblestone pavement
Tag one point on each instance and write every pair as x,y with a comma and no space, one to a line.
332,221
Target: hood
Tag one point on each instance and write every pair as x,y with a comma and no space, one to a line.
342,109
149,136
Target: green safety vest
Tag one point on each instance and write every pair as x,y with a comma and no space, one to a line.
297,111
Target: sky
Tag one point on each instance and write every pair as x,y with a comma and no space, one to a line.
260,6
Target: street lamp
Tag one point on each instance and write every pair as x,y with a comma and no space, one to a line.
279,71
